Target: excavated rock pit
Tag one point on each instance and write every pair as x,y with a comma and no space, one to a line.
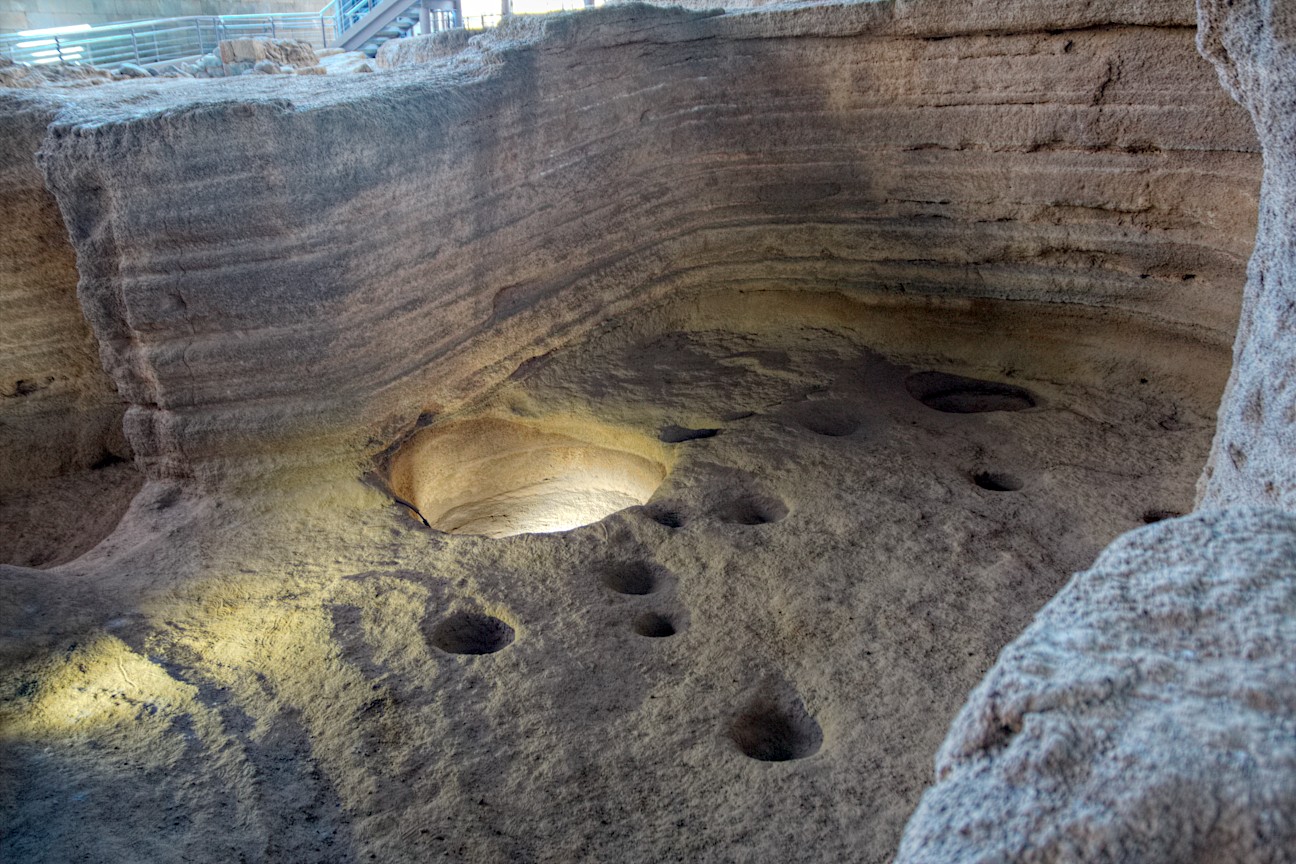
496,477
812,588
630,436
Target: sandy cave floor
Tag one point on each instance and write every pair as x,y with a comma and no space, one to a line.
258,678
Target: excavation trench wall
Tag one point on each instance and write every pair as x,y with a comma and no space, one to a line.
58,409
289,270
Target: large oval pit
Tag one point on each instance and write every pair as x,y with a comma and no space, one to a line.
498,477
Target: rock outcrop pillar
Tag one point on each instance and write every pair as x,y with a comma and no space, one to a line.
1253,45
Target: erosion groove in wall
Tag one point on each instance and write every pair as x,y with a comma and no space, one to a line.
413,238
58,410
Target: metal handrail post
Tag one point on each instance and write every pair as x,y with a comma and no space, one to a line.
198,30
134,45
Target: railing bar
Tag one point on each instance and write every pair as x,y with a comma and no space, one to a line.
171,37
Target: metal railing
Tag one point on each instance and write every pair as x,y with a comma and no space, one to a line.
163,40
351,12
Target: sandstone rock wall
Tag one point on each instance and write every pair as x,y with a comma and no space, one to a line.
351,256
1254,46
1147,713
287,273
58,410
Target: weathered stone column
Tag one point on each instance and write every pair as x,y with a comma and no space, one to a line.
1253,45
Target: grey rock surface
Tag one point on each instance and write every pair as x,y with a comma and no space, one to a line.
132,70
1253,46
1148,713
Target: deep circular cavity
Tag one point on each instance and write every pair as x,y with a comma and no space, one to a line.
1153,516
752,510
630,577
498,477
955,394
471,633
665,516
994,481
654,625
772,732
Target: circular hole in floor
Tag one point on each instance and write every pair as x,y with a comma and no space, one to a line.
497,477
631,577
774,732
665,516
752,510
955,394
995,481
471,633
654,626
1151,517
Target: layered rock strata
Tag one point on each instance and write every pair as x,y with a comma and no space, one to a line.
298,275
1148,713
376,251
58,409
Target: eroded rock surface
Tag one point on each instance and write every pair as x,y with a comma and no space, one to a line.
60,416
756,664
1148,713
58,409
1254,47
1049,165
914,306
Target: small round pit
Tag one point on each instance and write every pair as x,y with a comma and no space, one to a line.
630,577
997,481
770,731
654,625
471,633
